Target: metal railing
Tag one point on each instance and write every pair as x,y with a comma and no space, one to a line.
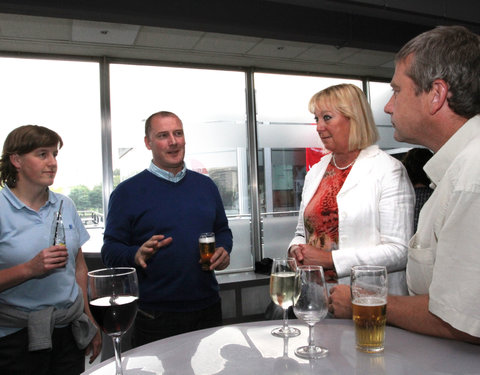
92,219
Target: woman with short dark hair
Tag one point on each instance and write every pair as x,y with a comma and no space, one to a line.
45,323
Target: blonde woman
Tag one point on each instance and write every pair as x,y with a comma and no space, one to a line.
357,201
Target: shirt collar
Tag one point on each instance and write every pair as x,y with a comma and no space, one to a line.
437,166
169,176
18,204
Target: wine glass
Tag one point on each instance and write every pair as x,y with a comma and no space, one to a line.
282,280
113,295
311,306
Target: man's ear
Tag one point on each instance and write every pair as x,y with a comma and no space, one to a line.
438,95
148,144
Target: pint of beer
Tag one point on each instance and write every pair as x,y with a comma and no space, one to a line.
206,243
369,304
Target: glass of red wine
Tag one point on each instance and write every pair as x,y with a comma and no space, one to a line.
112,296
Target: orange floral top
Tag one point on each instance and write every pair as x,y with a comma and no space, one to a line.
321,213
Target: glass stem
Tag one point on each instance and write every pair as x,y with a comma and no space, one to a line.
117,345
285,320
311,344
285,346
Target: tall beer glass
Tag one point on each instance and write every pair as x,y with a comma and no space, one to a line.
206,244
369,304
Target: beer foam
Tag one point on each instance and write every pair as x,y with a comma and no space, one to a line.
206,239
369,301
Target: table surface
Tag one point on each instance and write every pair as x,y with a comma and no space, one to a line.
249,348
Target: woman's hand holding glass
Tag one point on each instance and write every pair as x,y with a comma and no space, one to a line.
48,259
296,253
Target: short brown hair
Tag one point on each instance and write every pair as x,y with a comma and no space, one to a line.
20,141
351,102
161,114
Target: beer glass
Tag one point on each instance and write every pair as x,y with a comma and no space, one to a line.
311,306
282,292
206,244
369,303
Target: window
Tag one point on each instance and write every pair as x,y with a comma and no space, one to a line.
62,96
380,93
65,96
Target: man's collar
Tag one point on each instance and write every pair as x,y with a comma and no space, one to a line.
166,175
437,166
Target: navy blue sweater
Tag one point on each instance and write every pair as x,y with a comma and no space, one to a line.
145,205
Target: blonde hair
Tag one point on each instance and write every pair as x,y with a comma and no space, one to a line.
352,103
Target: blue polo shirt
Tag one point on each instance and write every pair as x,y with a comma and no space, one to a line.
23,234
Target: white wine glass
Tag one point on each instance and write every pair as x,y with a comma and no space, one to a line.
112,296
282,289
311,306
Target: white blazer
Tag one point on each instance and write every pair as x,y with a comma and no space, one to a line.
375,215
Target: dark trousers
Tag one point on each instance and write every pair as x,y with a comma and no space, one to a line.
63,359
162,324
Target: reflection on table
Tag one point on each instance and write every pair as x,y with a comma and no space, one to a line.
249,348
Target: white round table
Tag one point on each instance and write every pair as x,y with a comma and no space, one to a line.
249,348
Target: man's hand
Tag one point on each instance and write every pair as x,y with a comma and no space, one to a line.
340,302
149,248
220,259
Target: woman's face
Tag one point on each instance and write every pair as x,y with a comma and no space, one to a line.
36,168
333,128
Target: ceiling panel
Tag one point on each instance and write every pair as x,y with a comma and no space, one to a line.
226,43
354,37
276,48
369,58
329,54
12,25
168,38
102,32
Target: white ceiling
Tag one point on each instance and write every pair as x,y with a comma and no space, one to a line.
44,35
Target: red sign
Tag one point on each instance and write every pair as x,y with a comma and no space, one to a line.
313,156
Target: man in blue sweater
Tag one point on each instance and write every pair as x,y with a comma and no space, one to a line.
154,220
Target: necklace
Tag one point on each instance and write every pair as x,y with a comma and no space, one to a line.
342,168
